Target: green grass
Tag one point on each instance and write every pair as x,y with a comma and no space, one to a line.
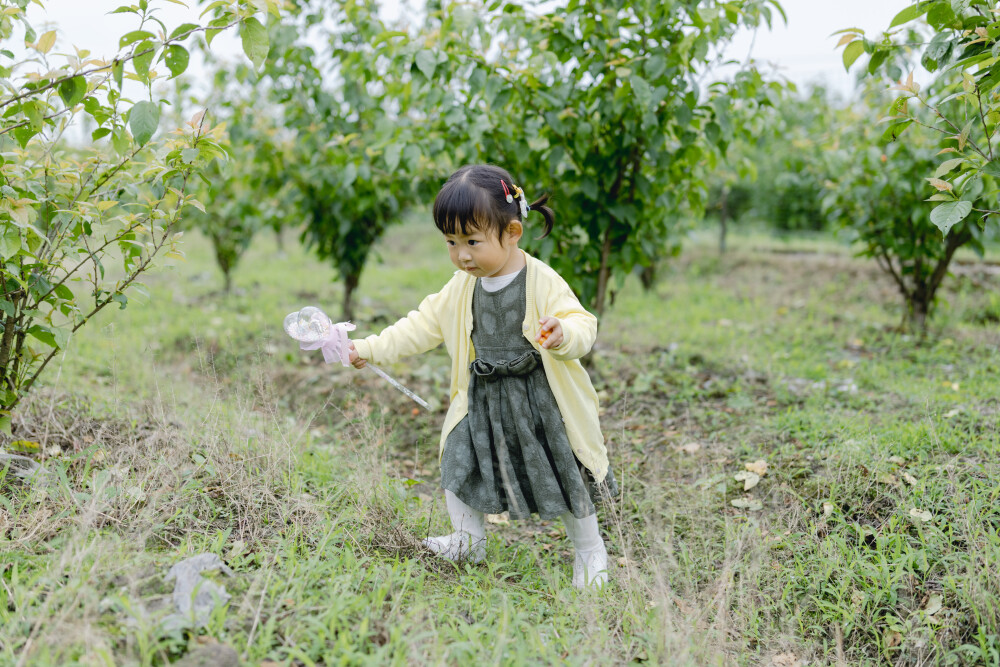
190,424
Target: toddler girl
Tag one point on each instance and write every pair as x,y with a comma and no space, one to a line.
522,432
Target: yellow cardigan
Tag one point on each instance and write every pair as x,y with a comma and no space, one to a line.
447,317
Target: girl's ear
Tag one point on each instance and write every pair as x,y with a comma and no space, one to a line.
515,230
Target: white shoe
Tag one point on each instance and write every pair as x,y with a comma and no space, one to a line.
590,568
590,565
459,546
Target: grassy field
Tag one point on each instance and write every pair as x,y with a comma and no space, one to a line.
190,424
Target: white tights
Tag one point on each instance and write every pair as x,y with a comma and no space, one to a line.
468,542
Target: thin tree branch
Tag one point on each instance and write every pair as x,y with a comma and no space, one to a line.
124,59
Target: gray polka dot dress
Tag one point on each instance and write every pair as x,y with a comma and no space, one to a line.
511,452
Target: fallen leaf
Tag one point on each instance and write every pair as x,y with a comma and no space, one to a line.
934,604
690,447
25,446
827,509
497,519
758,467
922,515
751,504
785,660
857,599
893,638
909,479
890,479
749,479
898,460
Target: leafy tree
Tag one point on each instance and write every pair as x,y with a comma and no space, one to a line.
879,197
67,212
778,171
596,103
959,107
249,191
358,142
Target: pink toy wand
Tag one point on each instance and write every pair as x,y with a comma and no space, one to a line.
315,331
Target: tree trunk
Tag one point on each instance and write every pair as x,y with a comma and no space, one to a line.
350,284
920,302
648,276
723,220
604,272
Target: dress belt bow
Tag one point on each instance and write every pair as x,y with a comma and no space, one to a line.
493,370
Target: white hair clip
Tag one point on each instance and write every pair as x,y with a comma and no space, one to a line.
519,194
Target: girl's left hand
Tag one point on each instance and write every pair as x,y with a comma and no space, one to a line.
550,334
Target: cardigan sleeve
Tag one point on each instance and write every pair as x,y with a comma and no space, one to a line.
579,326
418,332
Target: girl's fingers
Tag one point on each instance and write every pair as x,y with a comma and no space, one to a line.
549,333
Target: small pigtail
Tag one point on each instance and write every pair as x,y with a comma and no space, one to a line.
547,213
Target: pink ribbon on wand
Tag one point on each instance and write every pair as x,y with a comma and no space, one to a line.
315,331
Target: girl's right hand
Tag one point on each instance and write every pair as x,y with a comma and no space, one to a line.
355,360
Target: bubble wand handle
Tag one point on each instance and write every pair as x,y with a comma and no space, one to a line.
315,331
391,380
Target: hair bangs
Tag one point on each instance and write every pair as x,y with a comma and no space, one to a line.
462,206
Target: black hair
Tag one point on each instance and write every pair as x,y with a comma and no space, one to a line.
475,197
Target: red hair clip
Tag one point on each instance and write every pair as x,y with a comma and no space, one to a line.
506,191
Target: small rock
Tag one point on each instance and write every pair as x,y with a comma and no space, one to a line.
211,655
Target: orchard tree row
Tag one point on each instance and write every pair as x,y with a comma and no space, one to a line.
595,104
907,170
341,121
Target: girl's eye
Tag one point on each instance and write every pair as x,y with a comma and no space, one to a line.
450,242
473,242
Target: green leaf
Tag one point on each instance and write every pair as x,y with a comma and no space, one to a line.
910,13
117,71
10,242
392,155
947,166
948,215
64,292
143,120
44,334
133,37
183,29
255,42
895,130
643,93
852,51
120,299
991,168
176,59
144,57
189,155
426,62
73,90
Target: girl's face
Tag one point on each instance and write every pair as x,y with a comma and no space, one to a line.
483,255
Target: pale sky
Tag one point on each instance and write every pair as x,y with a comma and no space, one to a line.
802,51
